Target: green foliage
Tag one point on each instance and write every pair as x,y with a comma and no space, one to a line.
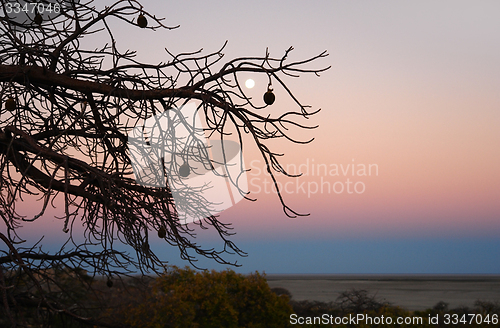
186,298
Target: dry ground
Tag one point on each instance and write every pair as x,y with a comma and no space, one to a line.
410,292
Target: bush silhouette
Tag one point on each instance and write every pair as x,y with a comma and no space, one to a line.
186,298
282,291
357,301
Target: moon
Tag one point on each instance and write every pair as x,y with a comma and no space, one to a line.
249,83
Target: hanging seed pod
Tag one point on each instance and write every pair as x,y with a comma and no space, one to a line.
145,247
22,58
109,283
38,19
83,105
142,22
162,233
110,205
184,170
10,104
269,97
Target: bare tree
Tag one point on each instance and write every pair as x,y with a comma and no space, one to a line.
65,121
358,301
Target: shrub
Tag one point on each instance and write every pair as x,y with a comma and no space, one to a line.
358,301
282,291
186,298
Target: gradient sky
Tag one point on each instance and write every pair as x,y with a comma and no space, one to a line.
413,89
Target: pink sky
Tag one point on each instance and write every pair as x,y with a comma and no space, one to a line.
413,88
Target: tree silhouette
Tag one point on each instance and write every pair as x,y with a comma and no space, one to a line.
66,116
